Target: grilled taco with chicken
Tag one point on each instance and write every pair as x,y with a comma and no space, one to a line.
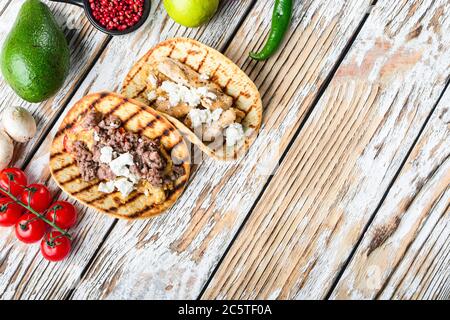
120,157
208,98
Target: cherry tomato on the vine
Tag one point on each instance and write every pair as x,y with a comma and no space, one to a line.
63,214
10,212
14,178
37,197
55,246
30,229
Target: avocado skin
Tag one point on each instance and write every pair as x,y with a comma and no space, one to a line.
35,58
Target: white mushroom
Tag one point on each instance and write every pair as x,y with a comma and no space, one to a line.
19,124
6,150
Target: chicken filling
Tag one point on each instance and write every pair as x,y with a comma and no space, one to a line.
178,90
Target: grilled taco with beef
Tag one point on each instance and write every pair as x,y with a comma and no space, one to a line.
119,157
208,98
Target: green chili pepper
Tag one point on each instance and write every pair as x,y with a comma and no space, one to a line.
281,19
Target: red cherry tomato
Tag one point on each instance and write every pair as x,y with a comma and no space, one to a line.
16,177
55,246
30,229
37,197
10,212
63,214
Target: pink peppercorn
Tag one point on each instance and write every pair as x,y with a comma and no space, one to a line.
117,14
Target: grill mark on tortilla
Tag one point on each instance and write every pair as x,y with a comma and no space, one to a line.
176,188
72,179
134,114
140,212
83,113
150,124
250,109
213,75
172,49
170,148
117,106
128,202
63,167
56,154
245,94
102,197
167,132
137,71
149,207
84,189
224,89
140,92
202,62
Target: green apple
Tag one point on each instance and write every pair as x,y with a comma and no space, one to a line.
191,13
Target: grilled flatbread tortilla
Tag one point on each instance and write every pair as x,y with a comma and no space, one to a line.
217,107
145,200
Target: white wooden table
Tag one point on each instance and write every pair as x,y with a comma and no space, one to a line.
345,194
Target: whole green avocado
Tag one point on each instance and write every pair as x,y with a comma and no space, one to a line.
35,58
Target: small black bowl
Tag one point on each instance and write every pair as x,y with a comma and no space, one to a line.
87,8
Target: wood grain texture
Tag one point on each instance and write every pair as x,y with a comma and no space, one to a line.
85,44
173,255
406,252
23,272
313,212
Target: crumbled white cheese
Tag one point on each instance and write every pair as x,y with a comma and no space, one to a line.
119,165
133,178
153,80
106,187
179,93
234,133
151,96
204,116
205,93
96,137
106,155
124,186
215,115
204,77
198,117
126,181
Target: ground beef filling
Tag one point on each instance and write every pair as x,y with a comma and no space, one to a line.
149,163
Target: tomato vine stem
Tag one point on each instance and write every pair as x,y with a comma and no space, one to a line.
37,214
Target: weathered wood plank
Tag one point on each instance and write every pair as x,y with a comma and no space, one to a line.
173,255
24,274
406,252
339,167
85,44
